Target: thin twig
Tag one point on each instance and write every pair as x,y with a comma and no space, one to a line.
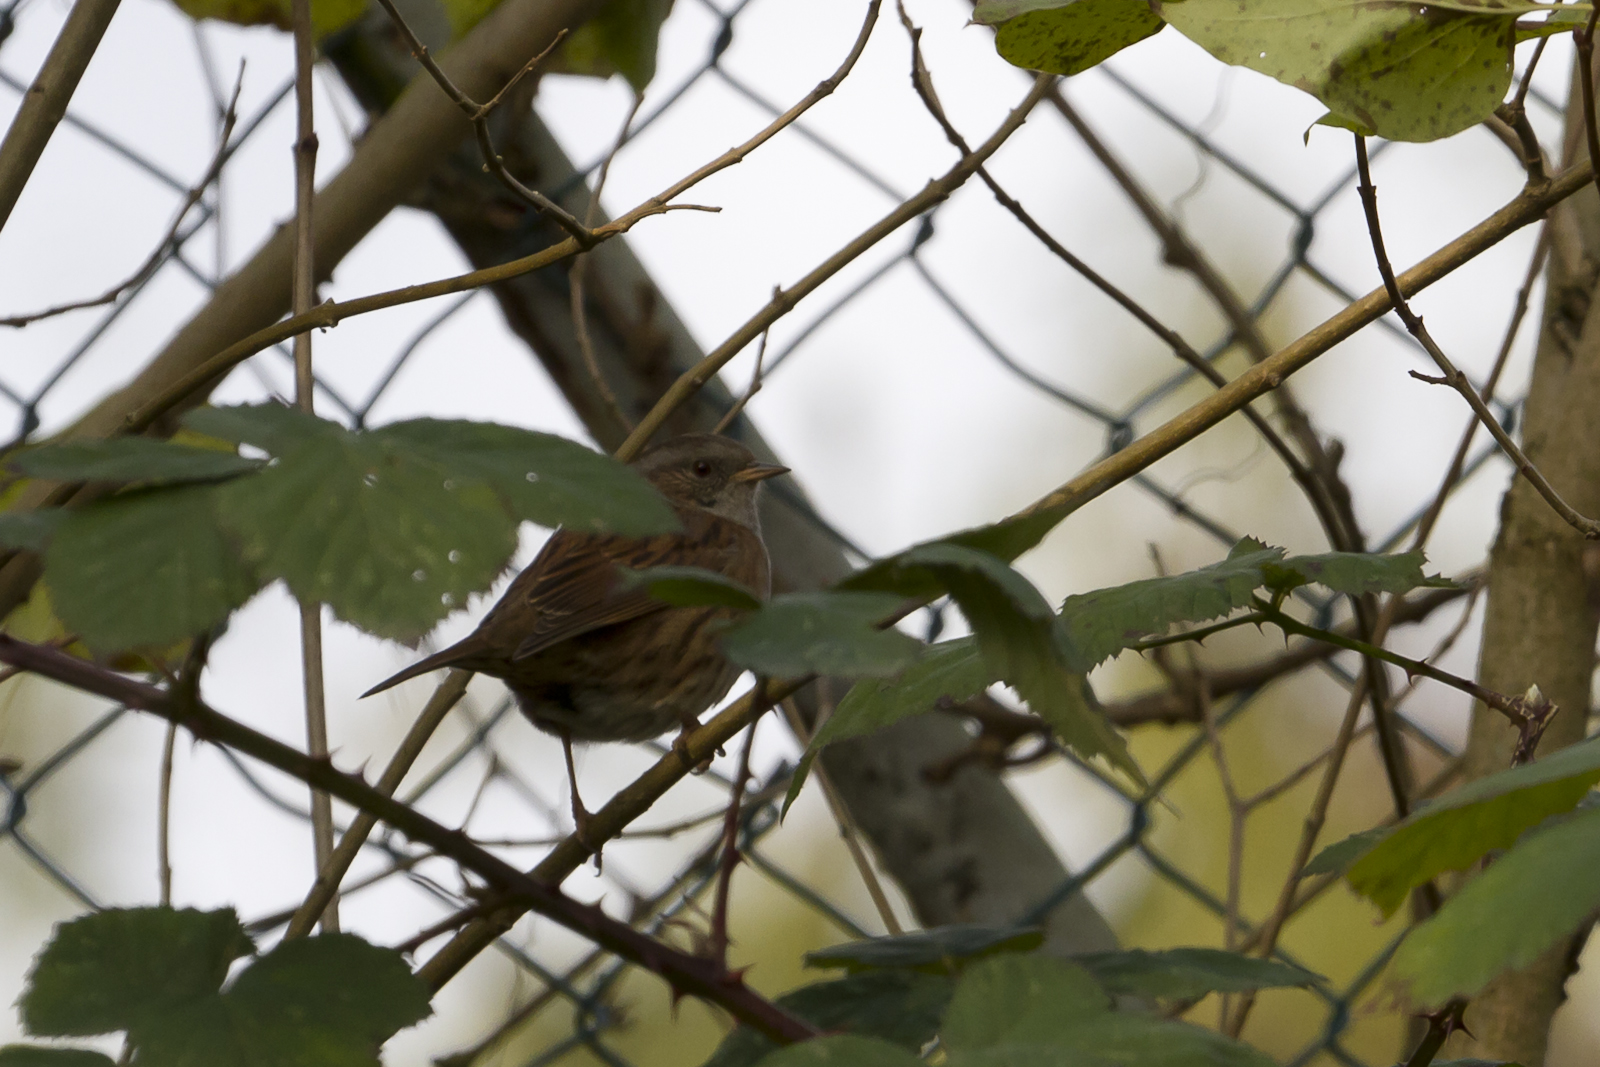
755,381
305,168
164,816
717,942
1584,38
158,254
576,276
1453,377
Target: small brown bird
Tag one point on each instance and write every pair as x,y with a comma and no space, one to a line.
591,658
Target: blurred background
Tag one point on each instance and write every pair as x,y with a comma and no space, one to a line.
948,377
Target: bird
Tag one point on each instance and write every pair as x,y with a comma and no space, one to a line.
590,656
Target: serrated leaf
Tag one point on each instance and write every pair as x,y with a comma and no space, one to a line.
1021,640
327,16
1019,1000
1465,824
146,568
390,542
829,633
692,587
1338,856
953,669
1068,36
129,459
328,1001
841,1050
1353,573
543,478
939,950
1535,894
104,972
42,1056
1190,972
1106,621
1411,72
900,1007
620,39
31,530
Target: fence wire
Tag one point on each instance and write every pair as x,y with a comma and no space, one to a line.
587,982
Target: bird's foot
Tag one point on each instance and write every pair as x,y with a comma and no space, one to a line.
580,832
680,745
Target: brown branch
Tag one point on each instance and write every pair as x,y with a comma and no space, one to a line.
45,103
685,973
1584,38
717,943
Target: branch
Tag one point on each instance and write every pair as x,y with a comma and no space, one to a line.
1453,377
45,103
686,974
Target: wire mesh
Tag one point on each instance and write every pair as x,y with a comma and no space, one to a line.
707,49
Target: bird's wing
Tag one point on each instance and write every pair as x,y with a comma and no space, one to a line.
574,586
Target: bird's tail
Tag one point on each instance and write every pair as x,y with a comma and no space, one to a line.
449,657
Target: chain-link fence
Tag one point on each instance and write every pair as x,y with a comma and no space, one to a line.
1284,230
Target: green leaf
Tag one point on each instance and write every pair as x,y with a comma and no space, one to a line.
621,39
31,530
40,1056
1531,897
1411,72
953,669
103,972
326,15
1021,640
900,1007
271,427
146,568
1353,573
1467,823
129,459
1020,1000
1190,972
389,541
693,587
937,951
841,1050
1113,1040
543,478
823,633
1067,36
1338,856
1106,621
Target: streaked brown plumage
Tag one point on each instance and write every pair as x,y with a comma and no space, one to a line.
591,659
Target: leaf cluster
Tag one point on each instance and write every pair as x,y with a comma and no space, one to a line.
159,976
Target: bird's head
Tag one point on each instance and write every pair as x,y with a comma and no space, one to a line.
706,471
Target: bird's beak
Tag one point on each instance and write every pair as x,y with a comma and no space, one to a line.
759,472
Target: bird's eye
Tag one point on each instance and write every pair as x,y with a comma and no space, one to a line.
702,468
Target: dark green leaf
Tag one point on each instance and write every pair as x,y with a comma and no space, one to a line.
621,39
1338,856
827,633
29,529
1474,1063
1070,36
1190,972
939,950
1115,1040
543,478
1355,573
103,972
40,1056
1010,538
328,1001
691,587
1020,1000
271,427
146,568
1022,642
1105,622
841,1050
1533,895
129,459
1411,72
382,536
1463,825
954,669
901,1007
